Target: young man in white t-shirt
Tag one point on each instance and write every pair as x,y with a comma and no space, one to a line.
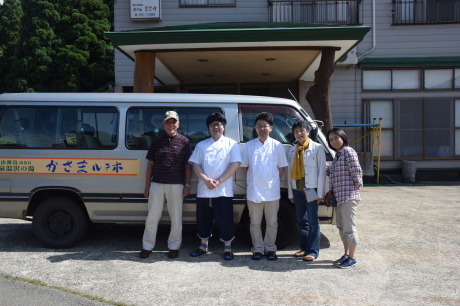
264,163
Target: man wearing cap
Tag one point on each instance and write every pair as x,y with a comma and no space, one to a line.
168,176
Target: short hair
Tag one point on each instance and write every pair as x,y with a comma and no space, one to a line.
266,117
301,124
216,117
339,132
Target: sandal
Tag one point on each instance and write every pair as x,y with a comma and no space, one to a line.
257,256
228,255
202,249
272,256
300,254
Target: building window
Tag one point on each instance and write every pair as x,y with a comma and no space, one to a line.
383,110
439,78
392,79
201,3
457,127
457,78
417,128
425,11
411,79
330,12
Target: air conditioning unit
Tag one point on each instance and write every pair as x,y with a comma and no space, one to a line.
350,58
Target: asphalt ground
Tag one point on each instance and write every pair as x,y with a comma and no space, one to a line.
408,255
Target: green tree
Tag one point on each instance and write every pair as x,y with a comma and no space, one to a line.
10,24
62,46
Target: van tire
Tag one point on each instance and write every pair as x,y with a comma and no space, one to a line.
287,225
59,223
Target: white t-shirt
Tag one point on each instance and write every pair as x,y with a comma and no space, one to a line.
215,157
263,160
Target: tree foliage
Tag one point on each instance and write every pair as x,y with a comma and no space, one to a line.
62,47
10,24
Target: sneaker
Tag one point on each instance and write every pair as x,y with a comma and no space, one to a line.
350,262
339,261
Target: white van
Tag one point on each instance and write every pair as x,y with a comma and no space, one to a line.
68,159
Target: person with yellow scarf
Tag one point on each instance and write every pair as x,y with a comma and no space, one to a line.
306,188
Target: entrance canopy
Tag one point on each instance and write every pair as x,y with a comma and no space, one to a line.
251,52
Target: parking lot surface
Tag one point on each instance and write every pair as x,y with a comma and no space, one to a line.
408,254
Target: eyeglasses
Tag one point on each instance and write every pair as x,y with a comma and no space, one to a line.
216,125
262,126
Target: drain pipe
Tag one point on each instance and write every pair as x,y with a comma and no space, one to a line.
374,43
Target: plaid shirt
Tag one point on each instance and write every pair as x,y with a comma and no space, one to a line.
345,176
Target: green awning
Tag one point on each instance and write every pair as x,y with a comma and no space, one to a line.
411,62
237,32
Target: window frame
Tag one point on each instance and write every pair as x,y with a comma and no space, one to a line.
395,129
422,79
420,12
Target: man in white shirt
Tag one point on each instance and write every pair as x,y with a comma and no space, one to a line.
264,163
214,162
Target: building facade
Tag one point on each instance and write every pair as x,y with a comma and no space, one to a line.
404,73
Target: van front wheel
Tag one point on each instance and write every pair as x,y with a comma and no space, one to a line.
59,223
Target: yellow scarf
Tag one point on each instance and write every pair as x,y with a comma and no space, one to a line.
298,170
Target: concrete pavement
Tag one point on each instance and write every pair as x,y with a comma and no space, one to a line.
408,254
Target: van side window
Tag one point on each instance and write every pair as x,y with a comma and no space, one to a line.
59,127
284,118
145,123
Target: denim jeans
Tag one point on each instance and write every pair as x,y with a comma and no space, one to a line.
221,209
307,224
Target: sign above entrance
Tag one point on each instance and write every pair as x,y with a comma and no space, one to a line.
145,9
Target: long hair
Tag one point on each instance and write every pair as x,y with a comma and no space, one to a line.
339,132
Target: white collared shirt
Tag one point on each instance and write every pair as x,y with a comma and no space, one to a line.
263,161
215,157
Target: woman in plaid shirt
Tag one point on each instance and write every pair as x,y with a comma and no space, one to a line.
346,180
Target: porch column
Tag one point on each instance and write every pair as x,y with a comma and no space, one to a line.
144,71
318,96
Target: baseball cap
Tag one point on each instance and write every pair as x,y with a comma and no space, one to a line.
171,114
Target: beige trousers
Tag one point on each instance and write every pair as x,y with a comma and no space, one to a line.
172,193
256,212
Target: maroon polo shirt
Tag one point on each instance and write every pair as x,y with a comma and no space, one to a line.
170,155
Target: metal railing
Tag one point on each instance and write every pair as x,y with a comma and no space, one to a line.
309,11
426,11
